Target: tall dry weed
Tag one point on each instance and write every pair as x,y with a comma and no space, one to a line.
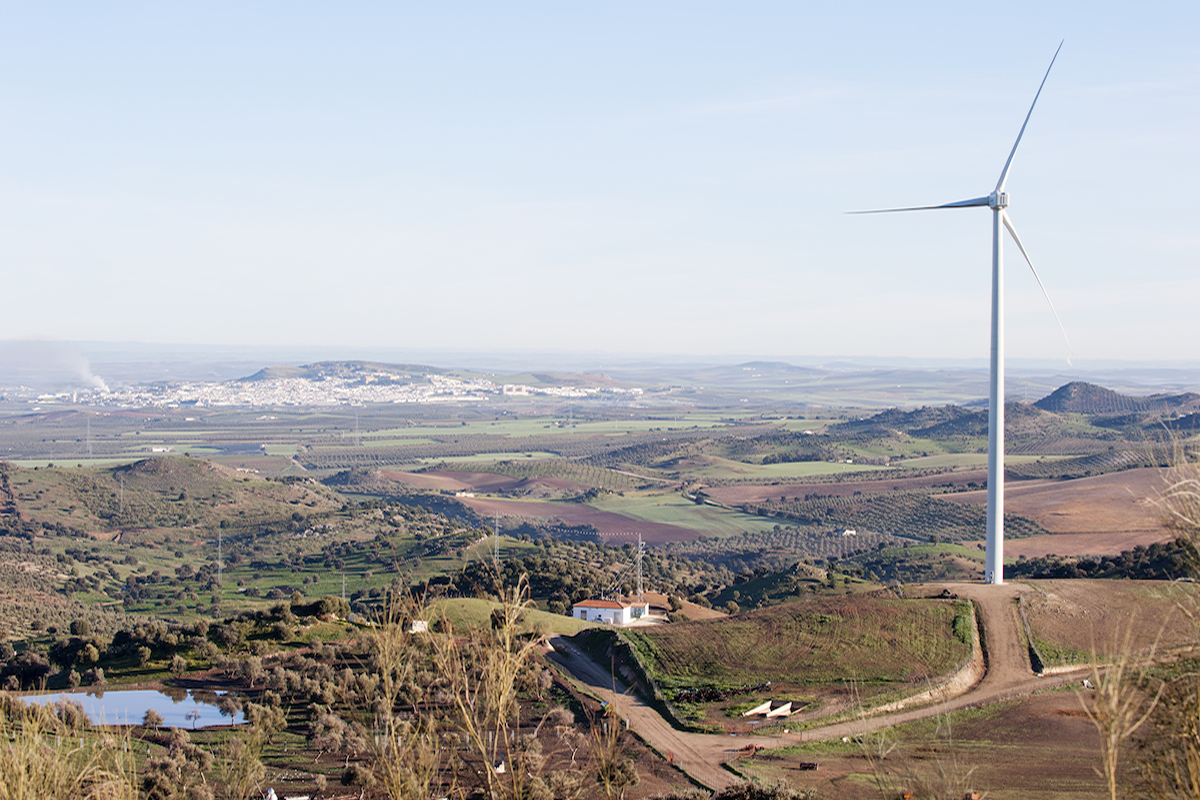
406,744
1179,502
1168,757
1119,703
937,773
41,758
481,675
615,771
238,764
447,716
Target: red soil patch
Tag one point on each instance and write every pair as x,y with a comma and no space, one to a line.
612,527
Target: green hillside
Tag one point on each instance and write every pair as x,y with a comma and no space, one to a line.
871,639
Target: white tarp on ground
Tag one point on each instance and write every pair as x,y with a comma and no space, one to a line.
763,709
783,711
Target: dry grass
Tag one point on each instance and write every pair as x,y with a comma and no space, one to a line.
40,758
409,760
1179,502
1118,704
1068,617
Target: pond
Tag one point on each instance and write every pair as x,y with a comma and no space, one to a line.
179,708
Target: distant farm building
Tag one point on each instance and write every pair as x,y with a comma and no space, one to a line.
609,611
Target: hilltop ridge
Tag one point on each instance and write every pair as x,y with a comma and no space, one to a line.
1080,397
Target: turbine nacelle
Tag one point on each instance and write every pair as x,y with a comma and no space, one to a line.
997,200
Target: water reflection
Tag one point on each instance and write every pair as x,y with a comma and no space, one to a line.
178,708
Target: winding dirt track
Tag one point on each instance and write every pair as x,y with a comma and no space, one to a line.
701,756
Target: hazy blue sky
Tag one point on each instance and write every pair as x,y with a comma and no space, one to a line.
638,177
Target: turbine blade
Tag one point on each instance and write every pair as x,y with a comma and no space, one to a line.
1013,233
1004,172
974,201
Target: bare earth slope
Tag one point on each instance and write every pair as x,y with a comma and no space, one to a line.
701,755
1101,515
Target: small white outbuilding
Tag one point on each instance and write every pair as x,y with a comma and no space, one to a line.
609,611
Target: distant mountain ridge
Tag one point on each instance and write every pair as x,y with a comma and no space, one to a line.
1079,397
944,421
1047,425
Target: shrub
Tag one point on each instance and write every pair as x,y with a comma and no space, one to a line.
357,775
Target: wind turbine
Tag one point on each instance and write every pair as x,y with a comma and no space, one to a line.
997,201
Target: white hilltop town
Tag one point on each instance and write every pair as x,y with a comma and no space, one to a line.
358,388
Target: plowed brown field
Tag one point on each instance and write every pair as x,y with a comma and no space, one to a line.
1102,515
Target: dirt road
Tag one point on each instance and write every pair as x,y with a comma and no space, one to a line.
702,756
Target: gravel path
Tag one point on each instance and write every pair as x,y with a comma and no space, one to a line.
701,756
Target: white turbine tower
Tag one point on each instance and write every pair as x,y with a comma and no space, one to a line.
998,202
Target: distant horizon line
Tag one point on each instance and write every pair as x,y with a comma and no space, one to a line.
92,348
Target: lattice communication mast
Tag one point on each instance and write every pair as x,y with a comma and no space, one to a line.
641,551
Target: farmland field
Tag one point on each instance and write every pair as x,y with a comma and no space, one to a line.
1108,543
737,494
871,639
1038,746
1071,619
671,508
609,525
459,481
722,468
745,507
1096,515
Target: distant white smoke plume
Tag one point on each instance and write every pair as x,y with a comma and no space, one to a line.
83,368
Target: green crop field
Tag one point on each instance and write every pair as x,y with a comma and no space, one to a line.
948,461
721,468
865,638
963,461
672,508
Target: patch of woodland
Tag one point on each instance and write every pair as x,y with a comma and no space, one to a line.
1161,561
